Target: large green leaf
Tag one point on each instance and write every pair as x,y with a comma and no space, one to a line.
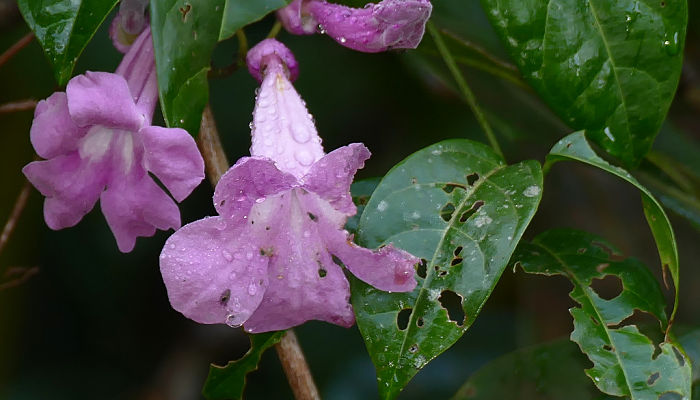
239,13
460,208
361,192
552,371
610,67
625,361
185,33
63,28
228,382
575,147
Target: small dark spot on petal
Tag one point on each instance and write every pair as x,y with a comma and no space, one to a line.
222,202
223,300
313,217
322,272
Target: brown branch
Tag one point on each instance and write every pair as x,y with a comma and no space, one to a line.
15,214
16,106
296,368
15,48
26,273
288,349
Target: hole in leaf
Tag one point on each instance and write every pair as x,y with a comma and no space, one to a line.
442,273
447,211
471,178
607,347
413,348
474,208
312,217
422,268
679,356
436,268
581,250
595,321
420,322
450,187
458,250
403,318
223,300
653,378
455,261
611,254
452,303
608,287
670,396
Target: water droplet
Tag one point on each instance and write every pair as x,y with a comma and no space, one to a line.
252,289
304,157
227,256
233,321
299,133
249,255
259,200
172,246
382,206
672,44
342,40
531,191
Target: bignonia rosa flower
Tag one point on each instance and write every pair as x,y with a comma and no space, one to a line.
270,260
390,24
99,143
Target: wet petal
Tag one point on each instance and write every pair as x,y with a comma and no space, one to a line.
250,180
271,53
390,24
135,206
213,273
71,186
296,22
53,132
331,176
172,155
304,282
101,98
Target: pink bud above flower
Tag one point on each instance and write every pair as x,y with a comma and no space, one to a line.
274,256
390,24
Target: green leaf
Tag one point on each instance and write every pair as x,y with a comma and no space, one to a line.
361,191
63,28
610,67
224,383
239,13
460,208
552,371
575,147
185,33
625,362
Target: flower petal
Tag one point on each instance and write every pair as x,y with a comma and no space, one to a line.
390,24
102,98
53,132
331,176
294,22
283,130
249,180
213,273
135,206
304,282
71,186
172,155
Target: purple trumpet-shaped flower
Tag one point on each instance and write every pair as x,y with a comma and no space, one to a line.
271,259
128,24
98,142
390,24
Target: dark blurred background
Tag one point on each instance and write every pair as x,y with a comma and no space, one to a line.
96,323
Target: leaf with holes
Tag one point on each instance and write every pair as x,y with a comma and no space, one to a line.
239,13
63,28
610,67
575,147
228,382
547,371
624,359
460,208
185,33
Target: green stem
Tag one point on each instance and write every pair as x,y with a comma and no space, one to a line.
466,91
275,30
242,44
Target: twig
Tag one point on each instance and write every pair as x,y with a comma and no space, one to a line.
466,91
295,367
288,349
16,106
15,48
26,273
275,29
15,214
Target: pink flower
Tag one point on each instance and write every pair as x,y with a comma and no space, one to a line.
272,258
390,24
99,143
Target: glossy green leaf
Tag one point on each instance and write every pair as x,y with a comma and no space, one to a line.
552,371
460,208
625,362
63,28
228,382
575,147
239,13
610,67
185,33
361,191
